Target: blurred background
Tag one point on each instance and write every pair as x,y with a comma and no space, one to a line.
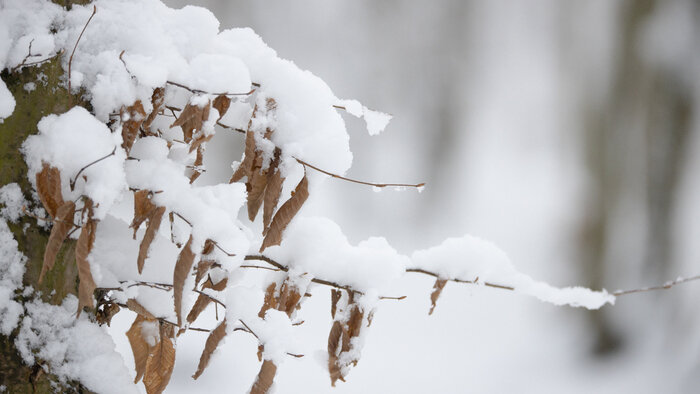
566,132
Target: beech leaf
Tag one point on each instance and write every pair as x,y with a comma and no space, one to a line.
48,187
130,128
160,362
62,224
285,214
151,231
182,270
86,240
221,103
437,290
265,377
212,343
139,346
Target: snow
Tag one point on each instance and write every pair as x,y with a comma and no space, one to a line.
472,259
71,142
11,273
318,247
73,349
7,102
13,200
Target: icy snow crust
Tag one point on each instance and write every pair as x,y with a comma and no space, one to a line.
129,49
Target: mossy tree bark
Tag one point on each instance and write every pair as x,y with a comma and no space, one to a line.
49,96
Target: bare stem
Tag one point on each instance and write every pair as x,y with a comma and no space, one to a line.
74,180
305,164
665,286
70,61
205,92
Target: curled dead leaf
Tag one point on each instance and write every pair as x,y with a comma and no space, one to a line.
183,265
265,377
152,227
48,187
62,225
285,214
83,247
437,290
212,343
160,362
135,115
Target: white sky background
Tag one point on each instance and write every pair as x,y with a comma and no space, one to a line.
512,176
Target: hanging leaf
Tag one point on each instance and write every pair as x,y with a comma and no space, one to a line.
135,115
199,306
157,99
221,103
219,286
289,297
333,347
212,343
48,186
257,180
151,231
83,247
202,269
198,163
245,168
139,346
106,312
270,302
285,214
182,270
265,377
437,290
191,119
272,191
335,297
160,362
143,208
62,225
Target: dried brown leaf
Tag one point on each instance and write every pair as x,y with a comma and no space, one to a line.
83,247
139,346
202,268
191,119
151,230
334,338
352,327
182,270
266,376
245,168
136,307
270,302
160,362
62,225
199,305
272,191
285,214
198,162
221,103
212,343
289,298
335,297
157,99
48,186
437,290
130,128
219,286
257,180
143,208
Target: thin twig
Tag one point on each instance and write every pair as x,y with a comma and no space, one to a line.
471,282
302,162
205,92
259,267
70,61
74,180
665,286
417,185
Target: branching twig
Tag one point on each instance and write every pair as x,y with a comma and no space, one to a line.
70,60
75,179
305,164
417,185
205,92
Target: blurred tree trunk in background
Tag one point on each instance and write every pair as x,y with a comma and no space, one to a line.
635,139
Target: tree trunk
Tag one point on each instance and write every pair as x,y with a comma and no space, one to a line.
49,96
